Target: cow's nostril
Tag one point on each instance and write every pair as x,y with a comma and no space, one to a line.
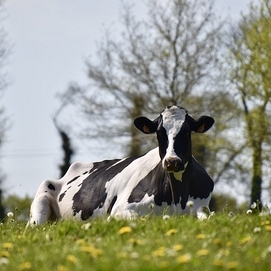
173,164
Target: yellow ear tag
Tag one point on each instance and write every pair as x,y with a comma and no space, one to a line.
146,129
201,128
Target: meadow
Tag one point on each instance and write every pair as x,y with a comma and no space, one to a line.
222,242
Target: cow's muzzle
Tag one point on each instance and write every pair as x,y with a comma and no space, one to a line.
173,164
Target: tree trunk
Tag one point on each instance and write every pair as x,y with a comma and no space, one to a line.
256,188
2,209
136,111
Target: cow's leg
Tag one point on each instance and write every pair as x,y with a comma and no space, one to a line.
123,214
44,206
40,211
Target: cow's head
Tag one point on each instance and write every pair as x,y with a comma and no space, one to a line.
173,128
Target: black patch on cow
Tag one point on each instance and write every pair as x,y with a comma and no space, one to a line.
196,183
62,196
92,192
112,204
51,187
75,178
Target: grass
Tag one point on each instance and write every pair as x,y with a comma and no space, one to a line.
242,242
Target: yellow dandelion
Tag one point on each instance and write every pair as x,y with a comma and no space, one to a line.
268,228
202,252
125,230
160,252
94,252
7,245
97,252
267,222
122,255
232,265
25,266
201,236
4,254
62,268
217,262
72,259
186,258
229,243
177,247
171,232
245,240
226,252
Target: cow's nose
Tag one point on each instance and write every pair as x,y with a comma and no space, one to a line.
174,164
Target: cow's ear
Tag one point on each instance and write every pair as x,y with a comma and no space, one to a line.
145,125
201,125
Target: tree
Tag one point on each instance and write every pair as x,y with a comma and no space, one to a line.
250,57
66,145
172,57
4,51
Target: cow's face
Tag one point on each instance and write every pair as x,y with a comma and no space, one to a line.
173,128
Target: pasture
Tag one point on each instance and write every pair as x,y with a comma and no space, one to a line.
223,242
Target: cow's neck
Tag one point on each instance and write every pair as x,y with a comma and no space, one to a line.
178,189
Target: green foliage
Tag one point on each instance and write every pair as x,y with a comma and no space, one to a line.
251,60
223,203
18,206
151,243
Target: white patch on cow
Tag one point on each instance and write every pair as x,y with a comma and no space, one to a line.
173,119
125,181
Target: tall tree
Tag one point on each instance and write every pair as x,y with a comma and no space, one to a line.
67,148
250,72
171,57
4,51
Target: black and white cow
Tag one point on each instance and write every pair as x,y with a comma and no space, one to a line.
161,181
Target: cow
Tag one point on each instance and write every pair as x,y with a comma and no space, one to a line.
160,181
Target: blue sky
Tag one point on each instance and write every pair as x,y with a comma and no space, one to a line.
50,41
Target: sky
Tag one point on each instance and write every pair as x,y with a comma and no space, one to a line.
50,41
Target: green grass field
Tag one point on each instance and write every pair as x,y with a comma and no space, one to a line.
242,242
